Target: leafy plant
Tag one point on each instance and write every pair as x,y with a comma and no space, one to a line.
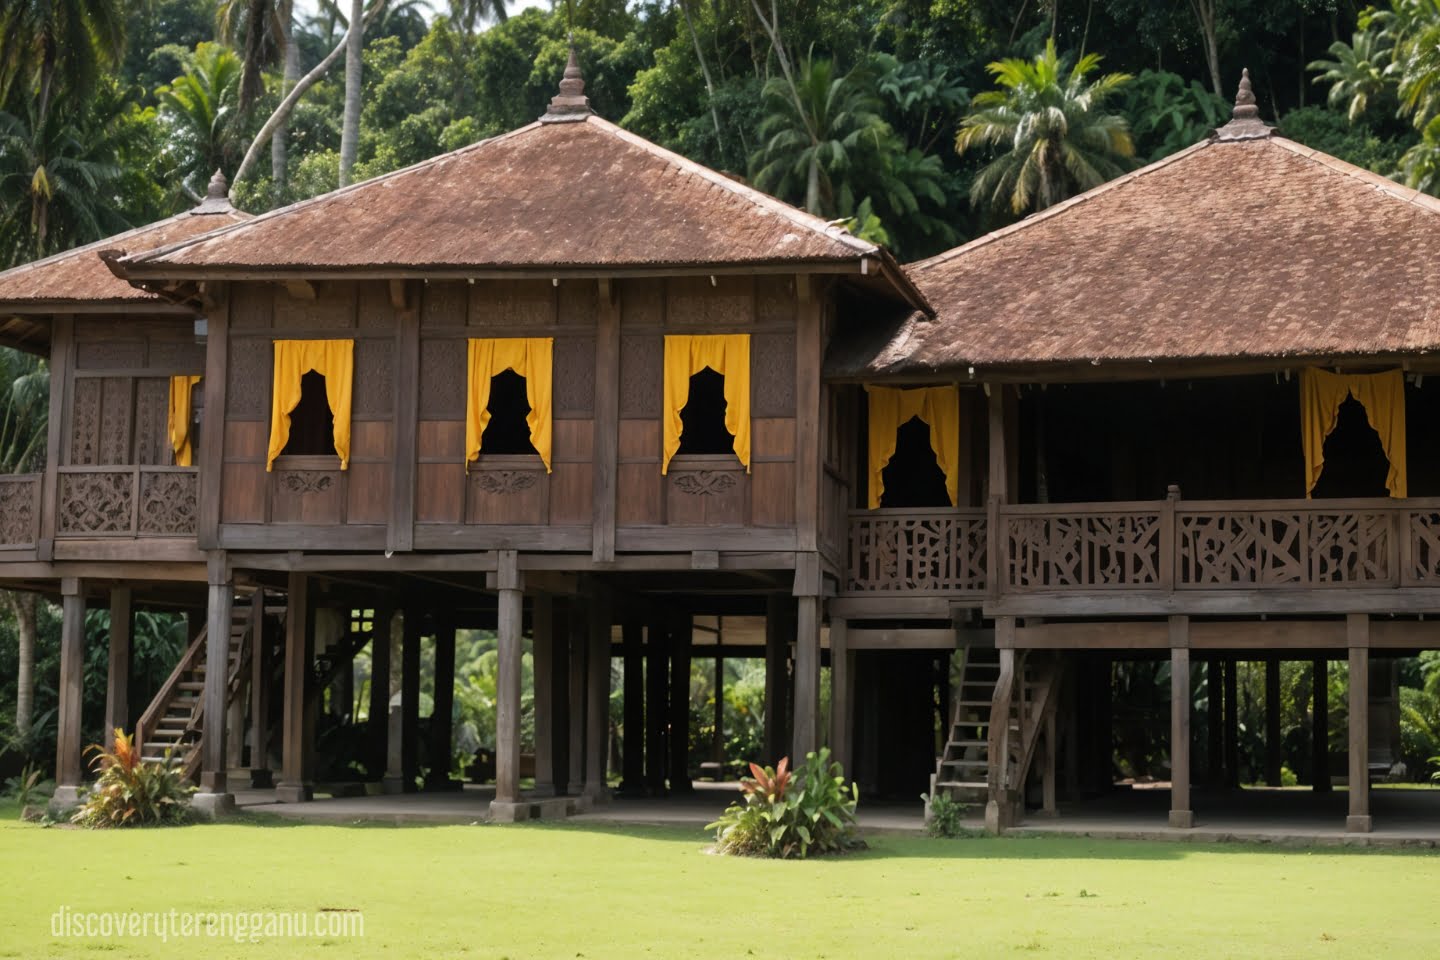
947,816
791,815
28,787
133,792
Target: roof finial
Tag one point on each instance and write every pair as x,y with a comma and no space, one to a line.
217,196
1245,122
570,103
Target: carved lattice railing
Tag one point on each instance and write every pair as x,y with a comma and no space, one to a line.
19,510
1092,547
141,501
917,551
1301,545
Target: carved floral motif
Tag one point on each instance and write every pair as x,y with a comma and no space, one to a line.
308,481
704,483
504,481
96,502
17,510
168,502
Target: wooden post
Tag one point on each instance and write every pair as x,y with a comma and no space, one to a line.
395,726
1357,635
563,611
1272,722
295,785
1050,746
117,686
842,694
579,641
410,699
809,356
400,531
681,636
717,745
542,645
597,697
441,717
214,797
657,671
633,758
807,678
69,769
62,361
607,422
1320,725
1232,725
998,484
1181,814
260,774
507,694
778,634
1214,723
378,724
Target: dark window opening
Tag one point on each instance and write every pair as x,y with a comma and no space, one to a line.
703,417
507,433
312,425
913,477
1355,462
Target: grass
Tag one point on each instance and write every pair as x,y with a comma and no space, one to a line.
533,891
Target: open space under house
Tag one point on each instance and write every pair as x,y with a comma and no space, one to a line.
566,384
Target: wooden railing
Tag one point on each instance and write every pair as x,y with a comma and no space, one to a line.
934,551
127,501
1159,546
19,510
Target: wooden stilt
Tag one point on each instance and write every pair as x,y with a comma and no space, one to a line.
717,741
1273,760
69,770
1320,725
807,678
542,645
442,717
633,753
295,784
657,673
261,777
410,700
214,796
117,686
1214,723
597,698
842,693
777,643
1232,725
560,695
1181,814
377,727
1357,628
681,637
507,695
579,641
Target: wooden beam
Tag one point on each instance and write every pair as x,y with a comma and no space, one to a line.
1230,602
1358,708
899,638
117,687
606,456
1181,815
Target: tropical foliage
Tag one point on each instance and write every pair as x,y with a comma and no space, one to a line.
131,792
791,814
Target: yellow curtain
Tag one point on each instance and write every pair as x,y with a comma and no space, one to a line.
332,359
179,418
531,358
728,355
891,408
1383,397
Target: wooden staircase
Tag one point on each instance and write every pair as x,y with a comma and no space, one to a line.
1023,688
173,722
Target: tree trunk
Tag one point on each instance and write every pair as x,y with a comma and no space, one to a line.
704,69
350,132
280,142
22,605
1205,16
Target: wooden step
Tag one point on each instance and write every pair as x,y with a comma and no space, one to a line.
963,784
968,743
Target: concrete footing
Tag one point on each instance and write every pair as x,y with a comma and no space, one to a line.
294,793
63,803
1182,819
538,808
1358,824
213,806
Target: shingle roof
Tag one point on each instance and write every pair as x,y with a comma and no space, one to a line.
1246,245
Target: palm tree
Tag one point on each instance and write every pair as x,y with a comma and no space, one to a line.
469,13
24,409
1357,74
350,128
263,29
1414,27
201,108
812,132
1058,141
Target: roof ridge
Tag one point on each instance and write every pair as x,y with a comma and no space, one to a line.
1384,184
760,198
1059,208
95,246
326,197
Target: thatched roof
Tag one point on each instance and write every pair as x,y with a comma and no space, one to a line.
1246,245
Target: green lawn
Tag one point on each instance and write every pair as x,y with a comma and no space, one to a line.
568,891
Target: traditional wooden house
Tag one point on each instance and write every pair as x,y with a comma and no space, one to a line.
565,383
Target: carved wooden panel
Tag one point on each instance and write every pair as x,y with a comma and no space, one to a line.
706,492
19,509
694,302
442,379
177,356
506,490
642,375
642,303
512,303
775,299
110,355
444,304
916,552
96,502
168,502
152,421
247,378
117,397
772,375
85,422
572,494
332,309
579,302
252,305
306,496
374,392
374,310
1303,547
574,376
1049,552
